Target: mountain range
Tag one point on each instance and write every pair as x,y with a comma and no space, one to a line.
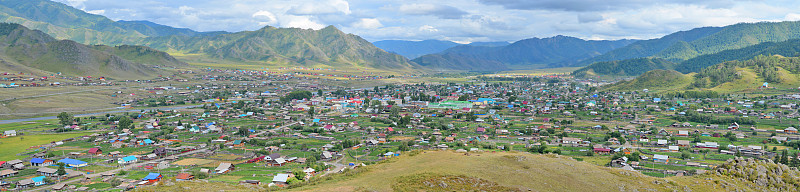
695,49
32,51
555,51
414,49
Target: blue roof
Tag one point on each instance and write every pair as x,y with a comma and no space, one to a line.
69,161
37,160
152,176
148,141
129,158
38,179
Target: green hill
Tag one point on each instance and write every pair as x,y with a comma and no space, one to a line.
24,49
685,45
728,77
790,48
328,46
655,80
627,67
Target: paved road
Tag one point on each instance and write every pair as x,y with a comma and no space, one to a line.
128,167
93,114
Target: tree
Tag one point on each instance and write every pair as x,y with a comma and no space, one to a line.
65,118
299,174
125,123
61,171
311,111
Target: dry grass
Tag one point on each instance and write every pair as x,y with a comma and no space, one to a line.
193,161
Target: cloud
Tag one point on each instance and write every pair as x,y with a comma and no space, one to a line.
97,12
440,11
595,5
315,8
589,17
265,17
368,23
303,22
428,28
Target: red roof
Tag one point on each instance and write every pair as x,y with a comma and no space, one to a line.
602,150
183,176
390,129
2,162
94,150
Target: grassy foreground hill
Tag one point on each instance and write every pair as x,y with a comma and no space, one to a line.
501,171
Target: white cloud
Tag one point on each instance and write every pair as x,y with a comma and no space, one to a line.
321,8
428,28
265,18
97,12
441,11
792,17
303,22
368,23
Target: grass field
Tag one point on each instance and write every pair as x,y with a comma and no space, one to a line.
13,145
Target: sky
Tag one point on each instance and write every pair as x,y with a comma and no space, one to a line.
461,21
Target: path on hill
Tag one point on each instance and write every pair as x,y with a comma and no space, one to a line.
115,171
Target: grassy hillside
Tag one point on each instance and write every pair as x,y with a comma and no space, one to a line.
781,73
655,80
502,171
790,48
628,67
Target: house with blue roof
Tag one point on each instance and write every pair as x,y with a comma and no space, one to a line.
37,181
73,162
41,162
127,160
153,177
146,142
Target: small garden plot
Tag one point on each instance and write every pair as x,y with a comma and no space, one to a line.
193,161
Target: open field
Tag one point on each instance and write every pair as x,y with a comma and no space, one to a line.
13,145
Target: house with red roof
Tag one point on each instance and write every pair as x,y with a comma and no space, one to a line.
95,151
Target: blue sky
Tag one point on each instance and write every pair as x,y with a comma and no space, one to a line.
455,20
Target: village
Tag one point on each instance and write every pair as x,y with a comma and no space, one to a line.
284,130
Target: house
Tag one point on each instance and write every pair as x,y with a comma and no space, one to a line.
326,155
309,171
161,151
602,150
10,133
271,157
224,168
59,186
14,164
73,162
41,162
790,130
7,173
683,143
570,140
277,162
95,151
184,177
280,179
37,181
46,171
152,177
661,158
